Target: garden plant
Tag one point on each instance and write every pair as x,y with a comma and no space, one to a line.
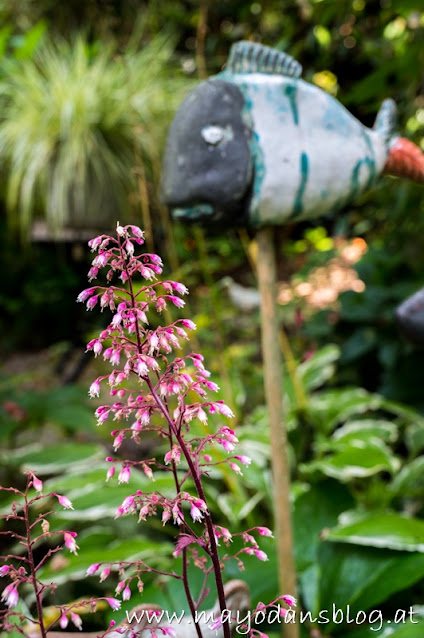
150,391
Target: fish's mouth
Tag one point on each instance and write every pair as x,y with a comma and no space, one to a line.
196,212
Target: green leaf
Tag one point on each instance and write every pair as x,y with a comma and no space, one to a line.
366,429
414,437
314,511
74,567
410,480
45,460
328,408
363,577
357,459
380,529
319,368
26,44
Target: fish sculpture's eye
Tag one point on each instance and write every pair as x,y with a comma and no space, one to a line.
213,134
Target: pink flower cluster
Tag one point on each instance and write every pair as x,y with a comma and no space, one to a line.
22,568
154,388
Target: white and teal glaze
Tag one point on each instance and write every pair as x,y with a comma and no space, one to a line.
309,155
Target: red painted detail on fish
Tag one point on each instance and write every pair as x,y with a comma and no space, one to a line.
405,159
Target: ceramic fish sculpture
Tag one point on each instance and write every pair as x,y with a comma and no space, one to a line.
256,145
410,318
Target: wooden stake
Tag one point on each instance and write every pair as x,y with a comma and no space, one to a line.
273,379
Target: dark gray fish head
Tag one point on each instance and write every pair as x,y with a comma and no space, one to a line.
410,318
208,167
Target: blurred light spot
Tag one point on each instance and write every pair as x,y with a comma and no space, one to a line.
349,42
322,35
190,43
227,26
345,29
358,5
326,80
189,65
255,8
395,29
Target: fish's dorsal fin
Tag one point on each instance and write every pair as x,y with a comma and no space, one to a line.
252,57
386,120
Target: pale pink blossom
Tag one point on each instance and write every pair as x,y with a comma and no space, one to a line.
76,619
95,243
64,502
119,587
91,570
70,543
114,603
265,531
92,273
85,294
92,302
216,624
195,513
187,323
136,231
260,554
63,622
110,472
289,600
10,595
236,468
147,470
124,475
173,455
104,574
37,484
126,594
4,569
118,441
94,390
245,460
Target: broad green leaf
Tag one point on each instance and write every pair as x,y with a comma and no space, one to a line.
74,567
328,408
94,502
45,460
414,437
319,368
315,510
389,629
380,529
358,459
410,480
365,429
363,577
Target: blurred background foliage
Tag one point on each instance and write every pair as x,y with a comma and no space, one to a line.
87,92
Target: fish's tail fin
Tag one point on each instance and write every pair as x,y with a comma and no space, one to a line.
386,120
404,159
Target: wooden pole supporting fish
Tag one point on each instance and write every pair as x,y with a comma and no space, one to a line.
273,379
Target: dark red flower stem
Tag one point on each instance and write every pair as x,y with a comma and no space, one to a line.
33,577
